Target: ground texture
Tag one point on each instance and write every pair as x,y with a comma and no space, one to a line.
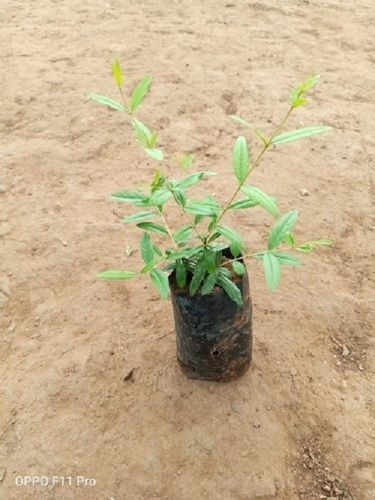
298,425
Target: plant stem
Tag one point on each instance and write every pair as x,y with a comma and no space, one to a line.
167,228
255,165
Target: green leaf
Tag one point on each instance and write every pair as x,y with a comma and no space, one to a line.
117,72
198,275
243,203
180,273
143,134
156,154
260,135
160,280
157,180
231,235
281,227
180,197
116,275
145,269
207,207
186,160
230,289
106,101
289,240
299,134
297,96
210,260
137,199
238,268
185,253
264,200
138,217
236,249
182,234
240,159
147,249
308,246
139,93
153,227
272,270
158,198
192,179
209,284
287,259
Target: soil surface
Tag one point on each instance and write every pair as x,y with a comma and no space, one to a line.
90,385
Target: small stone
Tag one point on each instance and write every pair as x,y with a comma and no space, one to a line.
64,242
304,192
2,473
4,286
345,351
256,424
5,228
128,250
129,376
360,367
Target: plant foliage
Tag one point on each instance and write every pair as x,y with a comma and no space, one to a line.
196,252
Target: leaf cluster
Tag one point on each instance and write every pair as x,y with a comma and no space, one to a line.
203,252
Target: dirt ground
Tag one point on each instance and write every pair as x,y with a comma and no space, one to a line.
299,424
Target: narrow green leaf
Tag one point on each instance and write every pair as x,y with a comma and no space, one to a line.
106,101
192,179
299,134
142,133
153,227
147,250
117,72
238,268
210,259
230,289
240,159
231,235
160,280
207,207
236,249
259,134
180,273
137,199
308,246
198,275
281,227
243,203
297,96
182,234
159,197
116,275
272,270
180,197
186,160
147,268
156,154
209,284
287,259
138,217
139,93
264,200
185,253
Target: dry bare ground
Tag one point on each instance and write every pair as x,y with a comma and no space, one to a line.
299,424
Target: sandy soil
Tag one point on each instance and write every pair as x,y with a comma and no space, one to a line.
299,424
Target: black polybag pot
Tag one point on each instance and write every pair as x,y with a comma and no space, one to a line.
214,334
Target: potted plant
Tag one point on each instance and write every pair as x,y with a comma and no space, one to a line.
203,262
